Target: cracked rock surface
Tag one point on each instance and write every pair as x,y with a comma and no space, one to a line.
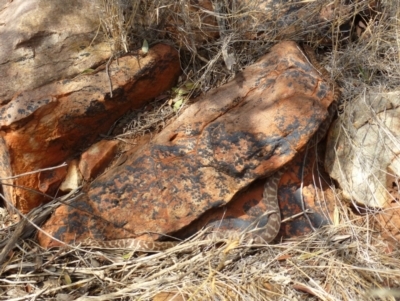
245,130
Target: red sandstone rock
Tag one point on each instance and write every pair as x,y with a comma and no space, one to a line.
96,158
46,41
388,221
243,131
47,126
248,204
50,180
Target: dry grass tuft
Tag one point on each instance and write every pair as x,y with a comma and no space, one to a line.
344,261
340,262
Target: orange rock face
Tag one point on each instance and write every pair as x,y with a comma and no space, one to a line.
97,158
248,204
243,131
48,125
388,221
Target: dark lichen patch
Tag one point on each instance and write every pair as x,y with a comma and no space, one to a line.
61,231
22,112
94,107
323,90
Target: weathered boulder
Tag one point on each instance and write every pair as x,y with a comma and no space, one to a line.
48,125
240,132
362,151
46,41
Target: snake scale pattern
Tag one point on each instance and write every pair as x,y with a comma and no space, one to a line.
256,233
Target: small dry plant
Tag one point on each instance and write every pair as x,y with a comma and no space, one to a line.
348,260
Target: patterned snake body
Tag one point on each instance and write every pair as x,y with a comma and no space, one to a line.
258,232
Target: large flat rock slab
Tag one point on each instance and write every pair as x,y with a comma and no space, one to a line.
49,125
240,132
45,41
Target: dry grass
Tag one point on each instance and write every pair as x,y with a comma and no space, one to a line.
344,261
335,263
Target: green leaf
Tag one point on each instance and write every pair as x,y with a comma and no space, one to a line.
178,104
182,91
189,85
89,70
127,256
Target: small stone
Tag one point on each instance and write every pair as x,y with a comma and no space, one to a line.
73,179
97,157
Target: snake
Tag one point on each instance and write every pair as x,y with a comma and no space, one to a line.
259,232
